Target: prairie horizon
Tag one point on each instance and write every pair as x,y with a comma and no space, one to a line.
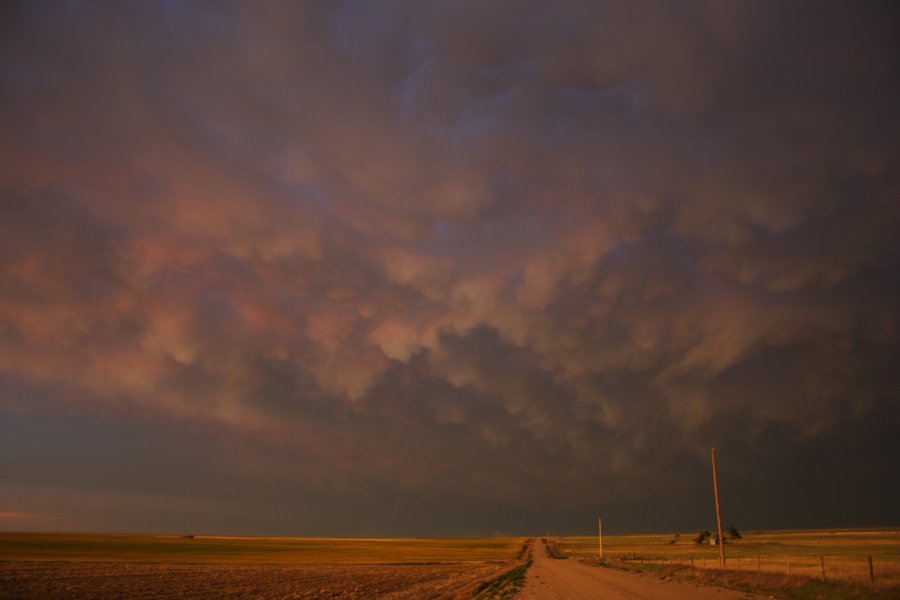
169,564
168,545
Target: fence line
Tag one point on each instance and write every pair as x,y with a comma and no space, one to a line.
844,567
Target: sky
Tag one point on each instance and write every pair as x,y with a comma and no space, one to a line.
448,268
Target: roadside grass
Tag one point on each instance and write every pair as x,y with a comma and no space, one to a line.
775,584
555,549
780,553
252,550
505,586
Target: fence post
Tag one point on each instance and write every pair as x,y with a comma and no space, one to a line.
692,561
789,566
871,571
822,562
758,564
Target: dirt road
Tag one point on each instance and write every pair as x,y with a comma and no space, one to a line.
552,579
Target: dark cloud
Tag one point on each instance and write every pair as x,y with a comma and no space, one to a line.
406,268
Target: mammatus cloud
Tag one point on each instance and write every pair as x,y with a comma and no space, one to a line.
490,263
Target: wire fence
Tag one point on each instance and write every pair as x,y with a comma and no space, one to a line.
839,567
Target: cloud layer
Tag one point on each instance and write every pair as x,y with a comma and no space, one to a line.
441,268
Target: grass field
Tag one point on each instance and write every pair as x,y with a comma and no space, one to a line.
845,553
252,550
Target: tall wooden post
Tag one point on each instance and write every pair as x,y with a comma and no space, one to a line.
718,510
600,536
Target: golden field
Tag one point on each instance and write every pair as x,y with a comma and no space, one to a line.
845,552
252,550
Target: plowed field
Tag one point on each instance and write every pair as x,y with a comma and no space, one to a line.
107,580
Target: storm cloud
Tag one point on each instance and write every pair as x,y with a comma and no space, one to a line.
418,268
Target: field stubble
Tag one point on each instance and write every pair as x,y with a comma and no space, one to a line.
143,567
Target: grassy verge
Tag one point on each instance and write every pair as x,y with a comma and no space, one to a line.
506,586
778,585
555,549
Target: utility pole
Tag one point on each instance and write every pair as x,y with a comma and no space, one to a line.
600,536
718,510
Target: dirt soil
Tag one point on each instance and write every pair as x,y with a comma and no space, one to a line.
551,579
84,580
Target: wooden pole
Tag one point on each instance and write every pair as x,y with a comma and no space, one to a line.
718,510
871,571
822,562
600,536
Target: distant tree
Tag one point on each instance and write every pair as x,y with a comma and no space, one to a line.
733,533
702,537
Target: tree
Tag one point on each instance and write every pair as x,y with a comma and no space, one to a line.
733,533
702,537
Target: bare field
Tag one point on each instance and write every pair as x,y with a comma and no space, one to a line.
80,580
798,553
76,566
